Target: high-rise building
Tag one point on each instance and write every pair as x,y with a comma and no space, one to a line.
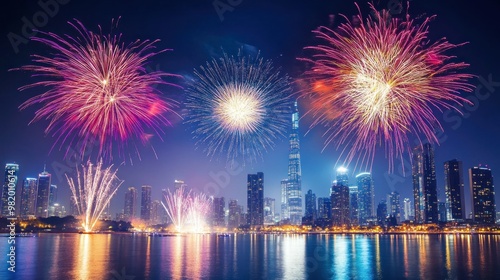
219,203
382,213
52,195
442,215
255,199
9,189
269,209
353,205
178,184
28,197
130,204
407,209
424,184
311,211
366,197
42,201
454,190
57,210
156,212
394,206
294,182
324,211
483,195
145,203
235,214
340,204
285,211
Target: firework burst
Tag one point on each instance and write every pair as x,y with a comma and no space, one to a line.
377,81
92,191
98,88
187,210
238,105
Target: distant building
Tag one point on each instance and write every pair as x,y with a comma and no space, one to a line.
408,209
454,190
52,195
382,213
9,185
442,213
483,195
311,211
57,210
130,204
42,201
424,184
340,205
394,206
354,205
146,203
28,197
235,214
218,212
324,211
285,211
366,198
156,212
255,199
269,209
179,184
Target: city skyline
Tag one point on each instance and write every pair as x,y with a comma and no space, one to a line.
177,156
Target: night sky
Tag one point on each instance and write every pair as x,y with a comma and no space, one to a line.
280,30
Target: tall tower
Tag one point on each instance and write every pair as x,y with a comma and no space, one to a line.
394,206
145,203
483,195
294,182
130,203
454,190
255,199
366,198
42,200
219,205
424,184
9,186
28,197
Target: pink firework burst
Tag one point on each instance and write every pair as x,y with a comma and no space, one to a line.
98,90
376,81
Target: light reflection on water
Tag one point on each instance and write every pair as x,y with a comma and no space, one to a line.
254,256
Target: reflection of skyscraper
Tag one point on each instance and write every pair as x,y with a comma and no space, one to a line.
269,209
294,182
255,199
483,195
9,185
424,184
146,203
454,190
218,212
393,206
42,201
28,197
366,197
130,204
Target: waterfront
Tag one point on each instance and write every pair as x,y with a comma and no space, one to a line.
254,256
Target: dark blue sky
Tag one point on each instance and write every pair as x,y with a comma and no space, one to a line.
279,29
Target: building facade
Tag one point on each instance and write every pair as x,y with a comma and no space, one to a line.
454,190
130,204
424,184
9,186
146,203
483,195
366,197
294,181
42,200
255,199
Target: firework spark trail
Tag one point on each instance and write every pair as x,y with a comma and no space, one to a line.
92,192
187,210
238,106
98,88
379,82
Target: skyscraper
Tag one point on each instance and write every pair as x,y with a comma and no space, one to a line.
145,203
382,213
353,205
454,190
285,211
255,199
311,211
408,209
424,184
366,197
178,184
218,212
52,195
324,211
235,213
9,188
42,200
294,182
156,212
483,195
269,209
130,204
394,206
28,197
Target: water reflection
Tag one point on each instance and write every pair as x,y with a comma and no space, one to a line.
101,256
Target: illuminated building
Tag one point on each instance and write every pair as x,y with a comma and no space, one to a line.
130,204
294,181
42,200
255,199
483,195
366,198
454,190
9,185
424,184
145,203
